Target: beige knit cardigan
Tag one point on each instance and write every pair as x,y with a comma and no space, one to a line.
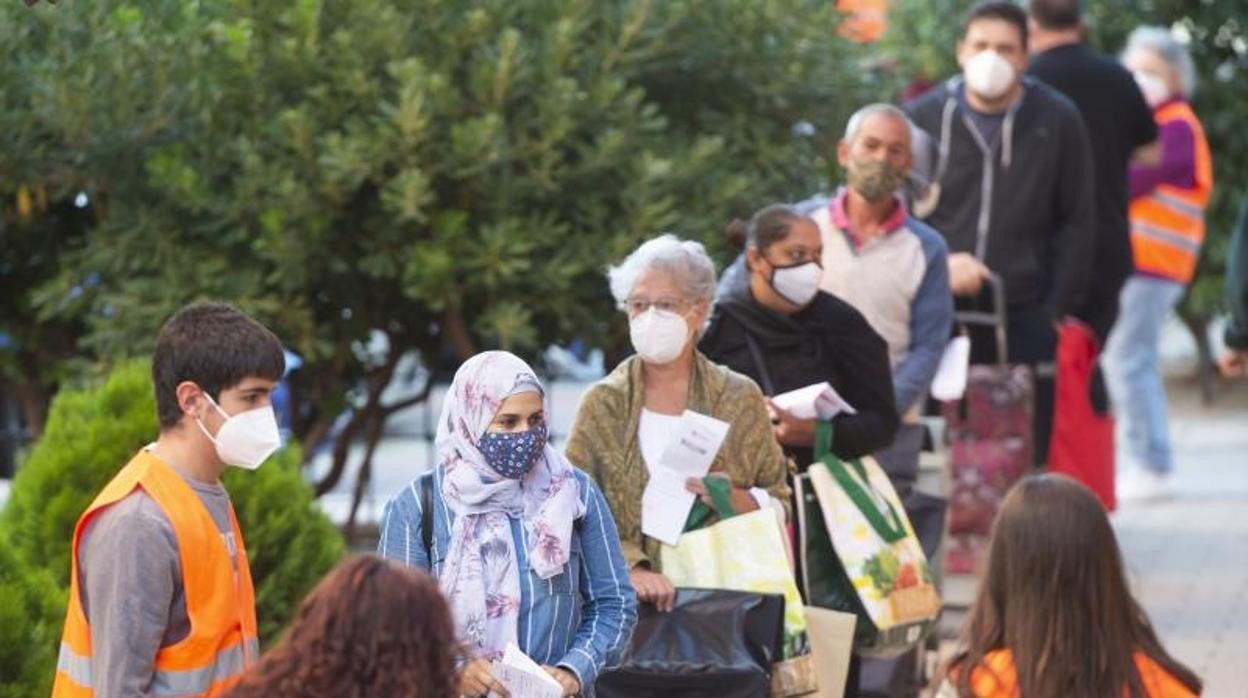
604,442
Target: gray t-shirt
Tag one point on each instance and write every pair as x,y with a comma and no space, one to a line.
988,125
130,579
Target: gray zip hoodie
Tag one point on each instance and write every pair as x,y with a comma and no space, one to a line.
1023,204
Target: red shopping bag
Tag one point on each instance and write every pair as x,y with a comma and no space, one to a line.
1083,440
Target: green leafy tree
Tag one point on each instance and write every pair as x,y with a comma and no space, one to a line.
448,175
91,433
290,543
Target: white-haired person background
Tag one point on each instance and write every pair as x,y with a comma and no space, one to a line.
666,288
1168,200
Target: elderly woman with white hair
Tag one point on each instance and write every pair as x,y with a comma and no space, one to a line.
1168,200
626,420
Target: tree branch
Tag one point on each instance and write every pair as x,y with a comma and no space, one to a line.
405,403
377,382
377,419
457,330
1198,324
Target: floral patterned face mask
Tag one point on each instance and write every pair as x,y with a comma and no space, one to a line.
513,455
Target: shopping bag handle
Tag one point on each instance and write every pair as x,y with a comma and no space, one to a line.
889,526
720,490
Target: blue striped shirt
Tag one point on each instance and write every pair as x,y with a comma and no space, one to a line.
580,620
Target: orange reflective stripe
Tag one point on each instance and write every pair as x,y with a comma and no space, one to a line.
1168,223
228,665
226,668
1163,260
1168,237
1179,204
73,666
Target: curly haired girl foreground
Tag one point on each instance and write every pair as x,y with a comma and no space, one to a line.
370,628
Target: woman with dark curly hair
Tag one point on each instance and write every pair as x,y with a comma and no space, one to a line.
347,642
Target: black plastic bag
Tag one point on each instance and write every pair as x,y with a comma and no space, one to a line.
715,642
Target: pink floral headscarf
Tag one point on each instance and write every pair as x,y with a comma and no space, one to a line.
481,576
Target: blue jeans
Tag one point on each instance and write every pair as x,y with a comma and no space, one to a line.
1133,371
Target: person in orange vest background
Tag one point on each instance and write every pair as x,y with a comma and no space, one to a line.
865,21
1167,213
161,599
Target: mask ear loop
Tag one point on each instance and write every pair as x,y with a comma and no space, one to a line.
219,410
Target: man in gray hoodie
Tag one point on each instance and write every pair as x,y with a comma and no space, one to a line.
1012,193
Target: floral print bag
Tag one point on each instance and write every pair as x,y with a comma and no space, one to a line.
859,553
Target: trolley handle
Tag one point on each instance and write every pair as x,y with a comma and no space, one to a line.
995,318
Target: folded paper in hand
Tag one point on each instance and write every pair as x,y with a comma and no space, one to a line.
818,401
522,677
666,503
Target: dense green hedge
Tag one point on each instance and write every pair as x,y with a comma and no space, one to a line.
31,609
91,433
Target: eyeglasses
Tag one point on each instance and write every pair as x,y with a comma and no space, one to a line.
637,306
798,256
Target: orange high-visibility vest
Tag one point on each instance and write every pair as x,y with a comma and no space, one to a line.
998,678
1168,223
220,604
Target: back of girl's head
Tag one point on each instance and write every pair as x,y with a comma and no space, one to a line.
1055,595
765,228
369,628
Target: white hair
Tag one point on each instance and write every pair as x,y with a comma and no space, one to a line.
1163,43
859,117
685,261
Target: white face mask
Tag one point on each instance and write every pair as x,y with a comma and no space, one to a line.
658,335
988,74
797,284
246,439
1153,88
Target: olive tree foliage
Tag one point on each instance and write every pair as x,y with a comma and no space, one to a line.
453,176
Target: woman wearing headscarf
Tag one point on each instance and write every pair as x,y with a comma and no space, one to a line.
522,543
773,324
626,420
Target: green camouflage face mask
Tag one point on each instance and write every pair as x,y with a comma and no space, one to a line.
875,180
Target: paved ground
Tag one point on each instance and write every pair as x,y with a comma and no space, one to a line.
1187,557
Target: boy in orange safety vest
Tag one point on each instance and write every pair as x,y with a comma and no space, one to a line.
161,598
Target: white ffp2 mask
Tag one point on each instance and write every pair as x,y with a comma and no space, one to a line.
247,439
1153,88
797,284
988,74
658,335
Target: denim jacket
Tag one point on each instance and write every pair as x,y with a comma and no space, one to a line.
580,620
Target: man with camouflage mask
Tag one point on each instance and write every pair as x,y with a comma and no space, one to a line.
881,260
